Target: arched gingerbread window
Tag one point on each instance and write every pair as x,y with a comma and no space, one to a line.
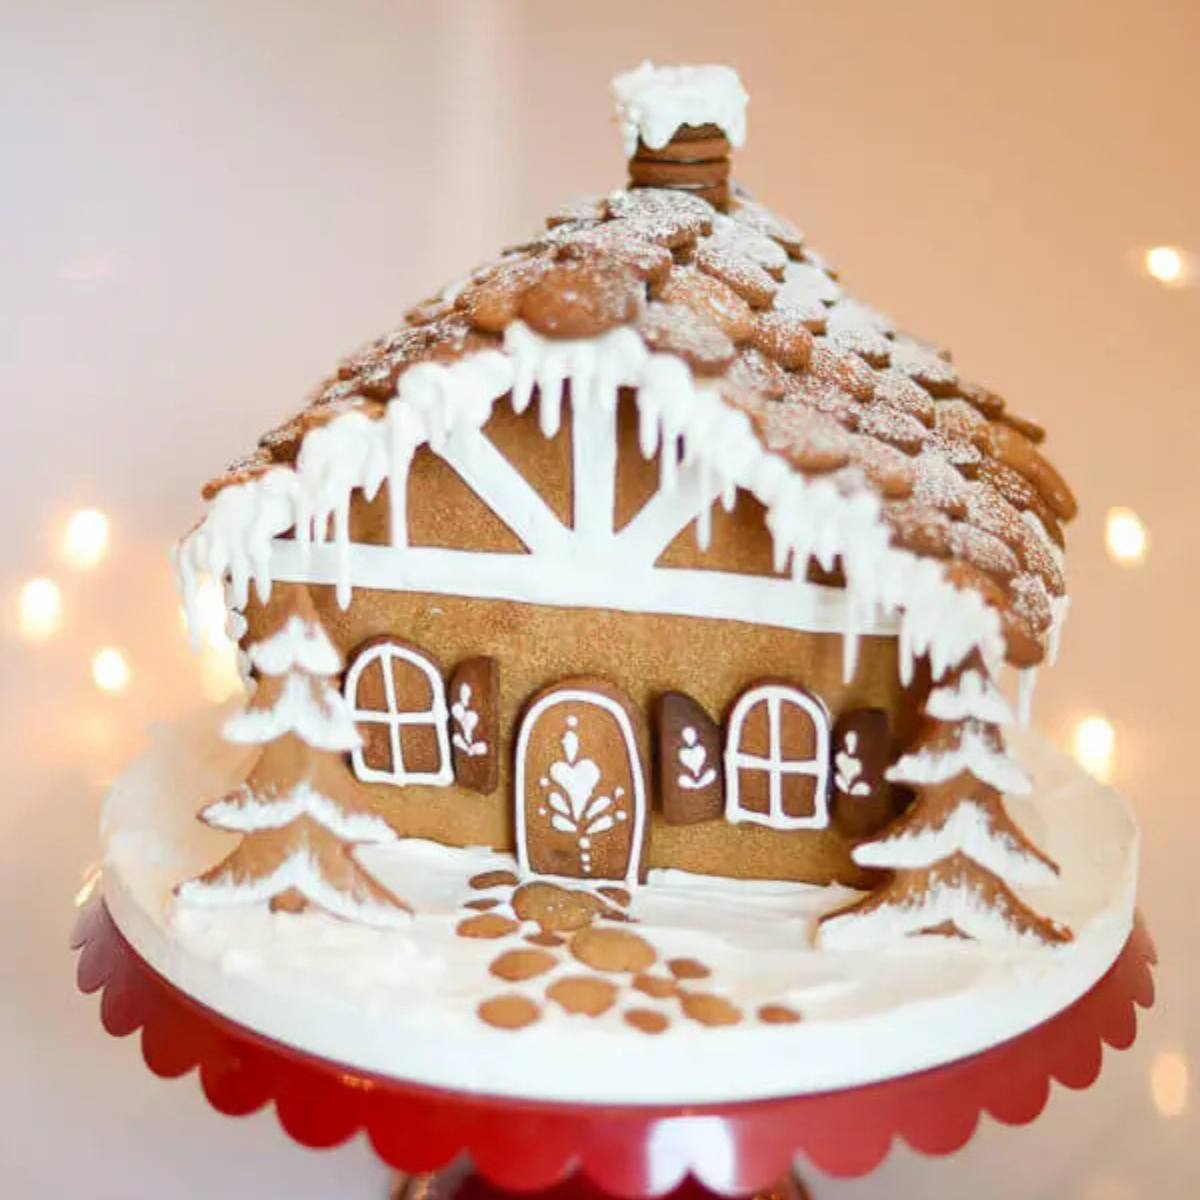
399,703
777,758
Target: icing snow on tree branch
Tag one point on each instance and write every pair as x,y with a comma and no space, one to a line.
298,811
955,852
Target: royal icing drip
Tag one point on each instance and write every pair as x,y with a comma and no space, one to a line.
445,406
1026,686
968,830
1060,607
974,755
653,102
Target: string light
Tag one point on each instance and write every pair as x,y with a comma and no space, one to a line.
1094,744
1170,1083
110,670
1167,264
85,542
40,610
1125,536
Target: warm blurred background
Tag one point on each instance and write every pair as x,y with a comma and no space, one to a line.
204,203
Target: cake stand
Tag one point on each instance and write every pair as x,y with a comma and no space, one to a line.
469,1146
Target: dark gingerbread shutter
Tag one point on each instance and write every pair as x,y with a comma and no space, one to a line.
862,796
474,702
691,775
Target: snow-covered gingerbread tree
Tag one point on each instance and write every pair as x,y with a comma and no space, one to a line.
297,811
955,852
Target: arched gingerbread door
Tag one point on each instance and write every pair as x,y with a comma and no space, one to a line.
580,784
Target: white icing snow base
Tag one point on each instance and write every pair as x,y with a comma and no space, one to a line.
402,1001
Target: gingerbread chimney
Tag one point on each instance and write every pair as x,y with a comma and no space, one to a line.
679,125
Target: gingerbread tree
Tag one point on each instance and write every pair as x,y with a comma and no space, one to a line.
297,811
955,852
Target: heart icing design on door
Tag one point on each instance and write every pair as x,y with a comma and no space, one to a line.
578,780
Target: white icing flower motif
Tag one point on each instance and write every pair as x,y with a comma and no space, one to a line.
848,768
575,807
693,756
467,720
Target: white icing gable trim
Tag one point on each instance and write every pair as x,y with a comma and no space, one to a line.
707,450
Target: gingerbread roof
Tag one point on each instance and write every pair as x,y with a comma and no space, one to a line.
826,383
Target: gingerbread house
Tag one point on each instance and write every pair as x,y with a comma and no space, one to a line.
648,546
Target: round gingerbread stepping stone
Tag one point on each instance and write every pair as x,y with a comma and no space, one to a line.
515,965
542,938
588,995
612,950
646,1020
491,879
554,908
687,968
658,986
486,925
509,1012
618,895
481,905
778,1014
709,1009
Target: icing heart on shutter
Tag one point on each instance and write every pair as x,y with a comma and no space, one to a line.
693,758
467,719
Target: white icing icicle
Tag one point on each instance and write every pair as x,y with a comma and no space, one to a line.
1026,686
703,442
653,102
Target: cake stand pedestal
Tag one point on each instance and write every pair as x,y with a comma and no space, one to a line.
579,1150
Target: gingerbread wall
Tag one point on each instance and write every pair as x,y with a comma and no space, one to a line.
644,655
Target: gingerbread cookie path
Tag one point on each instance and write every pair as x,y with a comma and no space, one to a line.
710,987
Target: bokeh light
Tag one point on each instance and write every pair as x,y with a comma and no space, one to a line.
110,670
1169,265
1094,744
1170,1083
40,610
1125,536
86,539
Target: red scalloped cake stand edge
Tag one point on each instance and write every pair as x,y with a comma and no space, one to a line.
624,1151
